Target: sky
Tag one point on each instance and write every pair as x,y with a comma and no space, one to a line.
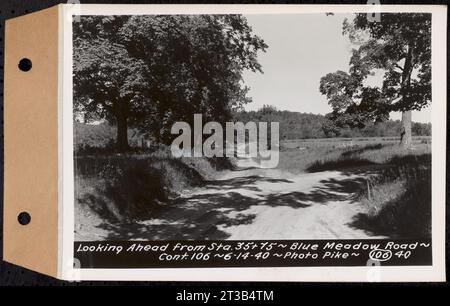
302,49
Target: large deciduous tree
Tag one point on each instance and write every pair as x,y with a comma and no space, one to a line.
399,46
151,71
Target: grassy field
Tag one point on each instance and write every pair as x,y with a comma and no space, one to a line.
313,155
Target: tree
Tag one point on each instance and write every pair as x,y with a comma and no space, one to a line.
400,47
151,71
108,83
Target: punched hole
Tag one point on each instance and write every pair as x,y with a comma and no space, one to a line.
25,64
24,218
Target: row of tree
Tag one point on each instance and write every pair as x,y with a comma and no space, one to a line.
295,125
148,72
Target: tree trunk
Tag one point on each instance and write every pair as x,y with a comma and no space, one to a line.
122,133
405,136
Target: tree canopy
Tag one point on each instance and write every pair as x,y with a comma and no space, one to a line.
399,47
151,71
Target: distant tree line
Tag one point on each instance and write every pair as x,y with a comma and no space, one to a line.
295,125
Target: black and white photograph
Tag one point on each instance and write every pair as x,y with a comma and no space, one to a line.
220,152
253,127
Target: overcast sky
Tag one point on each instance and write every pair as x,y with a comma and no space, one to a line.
302,49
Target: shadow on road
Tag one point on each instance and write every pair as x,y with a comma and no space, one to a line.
225,203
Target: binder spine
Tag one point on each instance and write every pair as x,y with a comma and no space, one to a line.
31,141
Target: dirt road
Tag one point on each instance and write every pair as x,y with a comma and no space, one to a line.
253,203
274,204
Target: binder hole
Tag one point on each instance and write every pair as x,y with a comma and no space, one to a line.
24,218
25,64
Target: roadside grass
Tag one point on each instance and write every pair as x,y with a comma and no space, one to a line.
396,201
342,155
363,156
127,187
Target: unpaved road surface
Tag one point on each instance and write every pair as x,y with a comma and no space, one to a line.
252,203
